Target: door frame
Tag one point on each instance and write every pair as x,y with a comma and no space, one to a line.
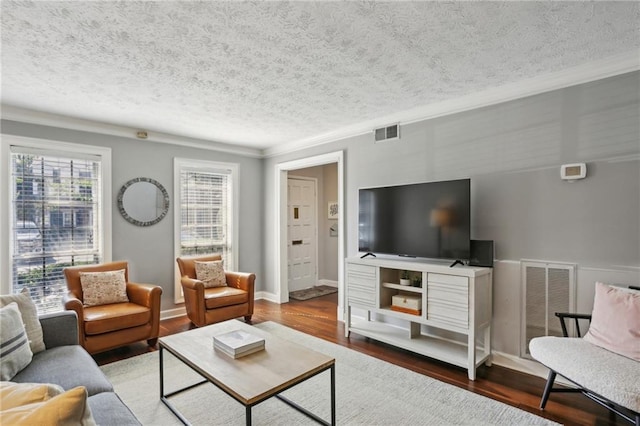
282,169
315,222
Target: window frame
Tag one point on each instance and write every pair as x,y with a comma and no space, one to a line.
205,166
53,148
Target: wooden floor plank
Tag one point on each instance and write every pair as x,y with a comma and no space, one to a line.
318,317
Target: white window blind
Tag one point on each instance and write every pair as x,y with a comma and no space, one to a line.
206,219
56,220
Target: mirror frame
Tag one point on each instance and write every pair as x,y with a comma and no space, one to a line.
165,202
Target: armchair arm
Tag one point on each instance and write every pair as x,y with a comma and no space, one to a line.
244,281
59,329
144,294
241,280
192,283
193,291
72,303
575,317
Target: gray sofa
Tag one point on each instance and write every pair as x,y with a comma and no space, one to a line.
68,365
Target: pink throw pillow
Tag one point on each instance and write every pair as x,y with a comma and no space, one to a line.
615,322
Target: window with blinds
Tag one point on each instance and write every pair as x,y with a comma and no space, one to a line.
56,220
205,212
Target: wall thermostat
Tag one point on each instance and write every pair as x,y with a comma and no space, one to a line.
573,171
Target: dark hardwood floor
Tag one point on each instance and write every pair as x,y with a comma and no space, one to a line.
318,318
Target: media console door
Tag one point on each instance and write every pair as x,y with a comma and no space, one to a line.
454,300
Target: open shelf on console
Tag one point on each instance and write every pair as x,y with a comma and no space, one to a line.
431,346
408,288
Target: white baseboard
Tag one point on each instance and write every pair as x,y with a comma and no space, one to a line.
173,313
330,283
265,295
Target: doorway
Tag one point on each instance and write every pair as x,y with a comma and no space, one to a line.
282,175
302,232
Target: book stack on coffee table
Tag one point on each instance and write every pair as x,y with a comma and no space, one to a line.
238,343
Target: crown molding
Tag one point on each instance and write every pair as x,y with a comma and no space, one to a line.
596,70
14,113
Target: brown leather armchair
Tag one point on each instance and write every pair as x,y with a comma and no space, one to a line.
210,305
106,327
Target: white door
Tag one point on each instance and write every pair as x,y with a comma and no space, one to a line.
302,239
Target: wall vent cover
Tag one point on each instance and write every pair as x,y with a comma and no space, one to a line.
387,133
547,288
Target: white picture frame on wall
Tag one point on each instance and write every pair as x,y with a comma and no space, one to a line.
332,210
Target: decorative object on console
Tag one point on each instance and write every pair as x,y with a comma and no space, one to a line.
405,278
417,281
143,201
407,304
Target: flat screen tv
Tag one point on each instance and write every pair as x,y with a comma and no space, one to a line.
430,220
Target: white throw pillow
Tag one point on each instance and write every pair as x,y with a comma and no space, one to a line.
29,314
211,273
15,353
102,288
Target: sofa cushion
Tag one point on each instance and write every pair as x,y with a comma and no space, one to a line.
608,374
16,394
67,366
15,353
29,315
211,273
102,288
109,410
219,297
615,320
116,316
69,408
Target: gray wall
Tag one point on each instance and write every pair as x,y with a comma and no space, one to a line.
150,250
512,152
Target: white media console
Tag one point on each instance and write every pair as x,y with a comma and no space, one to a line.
453,324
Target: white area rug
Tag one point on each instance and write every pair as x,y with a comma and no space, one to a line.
368,392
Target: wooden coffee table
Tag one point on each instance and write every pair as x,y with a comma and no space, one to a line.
251,379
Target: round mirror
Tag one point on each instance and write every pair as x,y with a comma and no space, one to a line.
143,201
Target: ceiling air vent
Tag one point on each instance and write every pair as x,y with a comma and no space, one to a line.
387,133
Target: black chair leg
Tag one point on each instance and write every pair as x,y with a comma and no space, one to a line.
547,389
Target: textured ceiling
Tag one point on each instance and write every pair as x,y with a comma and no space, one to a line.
260,74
